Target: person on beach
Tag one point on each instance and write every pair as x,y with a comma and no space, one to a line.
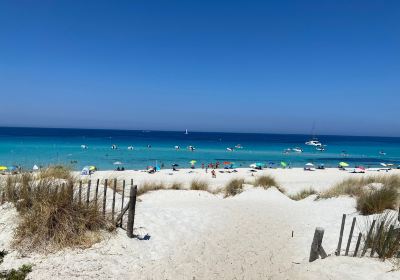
213,174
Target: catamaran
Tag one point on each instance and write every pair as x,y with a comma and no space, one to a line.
314,141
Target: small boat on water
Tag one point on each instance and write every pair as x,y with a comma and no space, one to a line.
230,149
297,150
114,147
382,153
320,148
186,132
84,147
177,147
130,148
191,148
238,146
314,142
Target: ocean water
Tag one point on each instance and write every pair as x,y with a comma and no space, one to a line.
29,146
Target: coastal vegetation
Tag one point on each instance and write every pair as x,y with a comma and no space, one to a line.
267,181
199,185
233,187
51,218
303,194
374,194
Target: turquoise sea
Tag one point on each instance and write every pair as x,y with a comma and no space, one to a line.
29,146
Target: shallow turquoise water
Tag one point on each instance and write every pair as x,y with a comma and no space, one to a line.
29,146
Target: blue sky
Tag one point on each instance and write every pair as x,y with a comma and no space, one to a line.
243,66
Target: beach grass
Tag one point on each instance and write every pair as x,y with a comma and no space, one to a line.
199,185
50,217
303,194
376,201
151,186
267,181
233,187
354,186
384,241
176,186
16,274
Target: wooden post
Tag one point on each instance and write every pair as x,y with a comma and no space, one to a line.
97,192
398,217
71,191
122,200
341,236
3,197
368,237
80,192
113,202
350,236
88,193
378,237
387,240
316,247
131,211
62,189
105,197
358,244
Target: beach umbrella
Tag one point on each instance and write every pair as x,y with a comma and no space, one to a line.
175,165
252,165
35,167
85,171
309,164
92,168
2,168
383,164
12,168
117,163
259,164
343,164
192,162
283,164
227,162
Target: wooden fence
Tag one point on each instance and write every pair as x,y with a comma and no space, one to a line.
104,197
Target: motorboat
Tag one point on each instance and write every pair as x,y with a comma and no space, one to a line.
382,153
314,142
177,147
114,147
84,147
230,149
130,148
320,148
191,148
297,150
238,146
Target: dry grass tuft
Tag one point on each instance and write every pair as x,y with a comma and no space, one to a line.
376,201
198,185
234,187
150,186
51,217
354,186
385,241
303,194
267,181
176,186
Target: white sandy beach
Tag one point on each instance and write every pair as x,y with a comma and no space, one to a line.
198,235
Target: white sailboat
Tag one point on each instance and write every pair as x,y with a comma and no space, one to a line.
186,132
314,141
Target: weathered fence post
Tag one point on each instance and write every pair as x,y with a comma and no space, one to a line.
105,197
80,192
358,244
131,211
368,237
123,198
316,246
339,247
88,193
350,236
113,201
386,243
96,192
378,236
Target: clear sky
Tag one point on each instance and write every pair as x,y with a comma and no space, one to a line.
243,66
